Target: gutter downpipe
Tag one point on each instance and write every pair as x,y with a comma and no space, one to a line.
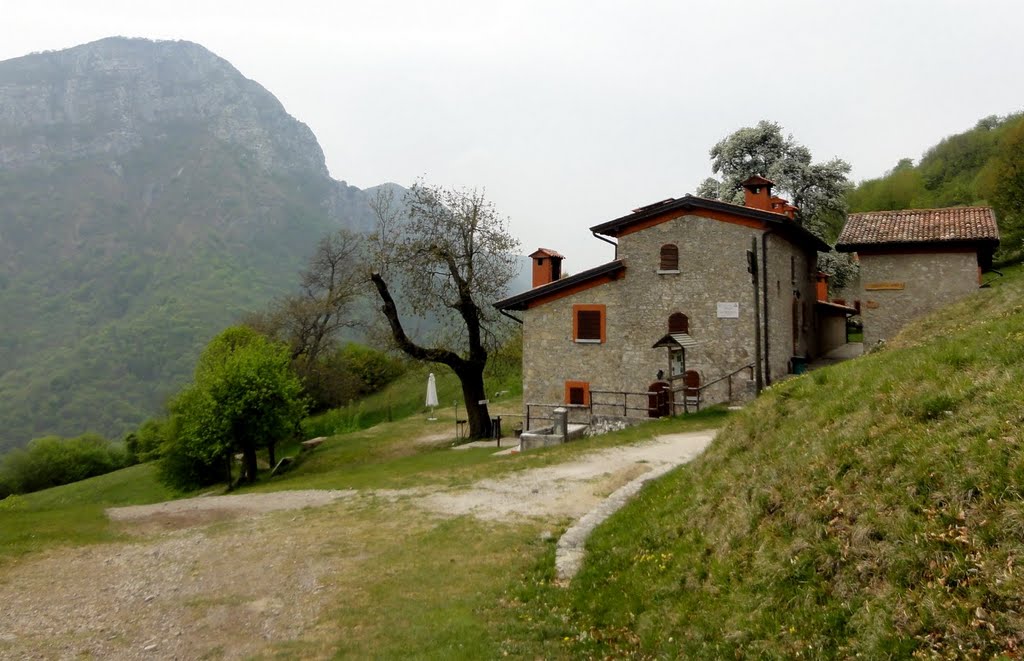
511,316
764,301
598,236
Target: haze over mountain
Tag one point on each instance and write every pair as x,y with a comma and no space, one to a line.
149,194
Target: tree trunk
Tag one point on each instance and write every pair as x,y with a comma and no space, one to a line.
472,379
271,455
249,460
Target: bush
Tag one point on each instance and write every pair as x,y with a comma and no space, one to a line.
146,442
374,369
52,461
180,469
349,373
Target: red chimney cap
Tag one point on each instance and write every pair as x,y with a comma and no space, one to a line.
546,252
757,180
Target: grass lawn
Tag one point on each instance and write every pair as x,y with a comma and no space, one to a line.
73,513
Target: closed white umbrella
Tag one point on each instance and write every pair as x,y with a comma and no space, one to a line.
431,394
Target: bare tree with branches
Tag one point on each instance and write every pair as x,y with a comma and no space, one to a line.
310,320
451,255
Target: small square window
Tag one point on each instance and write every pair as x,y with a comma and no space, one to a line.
577,393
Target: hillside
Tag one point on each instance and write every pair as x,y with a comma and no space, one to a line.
149,195
983,165
872,509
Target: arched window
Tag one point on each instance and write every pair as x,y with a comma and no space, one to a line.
678,323
669,257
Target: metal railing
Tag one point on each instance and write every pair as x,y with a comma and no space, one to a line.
667,400
661,401
533,415
698,398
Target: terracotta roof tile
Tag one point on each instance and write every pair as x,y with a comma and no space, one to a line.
955,224
546,252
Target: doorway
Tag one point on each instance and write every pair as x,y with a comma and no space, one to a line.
659,399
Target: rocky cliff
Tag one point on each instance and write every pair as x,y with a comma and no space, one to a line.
149,195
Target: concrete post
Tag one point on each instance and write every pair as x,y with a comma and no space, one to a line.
560,420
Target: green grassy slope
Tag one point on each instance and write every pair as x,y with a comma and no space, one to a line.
73,513
874,508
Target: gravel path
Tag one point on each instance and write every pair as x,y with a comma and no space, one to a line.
187,589
568,489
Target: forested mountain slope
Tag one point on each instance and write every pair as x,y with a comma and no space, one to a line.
149,194
984,165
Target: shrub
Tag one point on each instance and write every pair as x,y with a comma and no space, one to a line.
146,442
349,373
51,461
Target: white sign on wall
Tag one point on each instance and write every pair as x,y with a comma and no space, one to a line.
728,310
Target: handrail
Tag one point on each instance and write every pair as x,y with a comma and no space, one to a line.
729,375
699,390
620,392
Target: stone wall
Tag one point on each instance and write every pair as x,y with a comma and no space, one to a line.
928,281
832,332
712,270
791,273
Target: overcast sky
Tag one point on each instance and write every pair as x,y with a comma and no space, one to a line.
573,113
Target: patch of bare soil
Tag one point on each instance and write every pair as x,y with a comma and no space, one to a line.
269,571
195,593
438,438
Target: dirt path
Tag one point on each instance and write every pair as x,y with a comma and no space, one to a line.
189,589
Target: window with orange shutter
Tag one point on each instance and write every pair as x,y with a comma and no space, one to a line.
588,324
577,393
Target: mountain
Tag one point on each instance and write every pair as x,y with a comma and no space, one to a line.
149,195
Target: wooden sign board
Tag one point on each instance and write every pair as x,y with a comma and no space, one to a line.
884,286
871,305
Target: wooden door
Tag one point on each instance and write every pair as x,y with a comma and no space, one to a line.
659,399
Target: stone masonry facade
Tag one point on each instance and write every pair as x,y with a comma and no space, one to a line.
712,270
897,287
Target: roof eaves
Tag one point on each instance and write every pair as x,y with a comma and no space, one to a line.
612,227
856,246
845,309
519,301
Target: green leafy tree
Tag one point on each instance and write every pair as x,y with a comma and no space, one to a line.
450,255
1002,182
245,397
817,189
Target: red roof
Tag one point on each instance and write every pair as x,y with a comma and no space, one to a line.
546,252
920,226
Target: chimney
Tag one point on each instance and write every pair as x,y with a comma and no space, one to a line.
780,205
822,286
547,266
757,193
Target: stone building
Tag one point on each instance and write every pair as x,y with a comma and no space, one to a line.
916,260
674,311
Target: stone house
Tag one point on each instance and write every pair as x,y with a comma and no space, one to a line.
913,261
674,311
